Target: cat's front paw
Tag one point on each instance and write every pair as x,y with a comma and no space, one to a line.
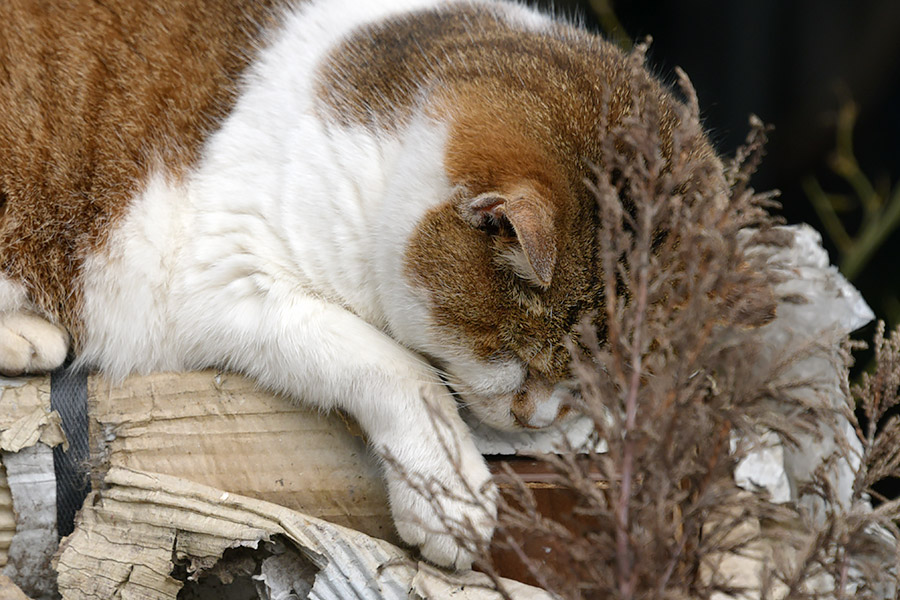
447,509
443,497
30,344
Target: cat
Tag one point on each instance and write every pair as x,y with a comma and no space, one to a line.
373,206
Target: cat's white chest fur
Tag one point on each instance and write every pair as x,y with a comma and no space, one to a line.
282,206
281,255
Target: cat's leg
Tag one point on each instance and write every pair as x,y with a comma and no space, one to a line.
28,342
326,356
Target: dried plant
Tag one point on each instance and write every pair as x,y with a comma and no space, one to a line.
680,388
668,380
848,547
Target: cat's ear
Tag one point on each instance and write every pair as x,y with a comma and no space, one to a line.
529,220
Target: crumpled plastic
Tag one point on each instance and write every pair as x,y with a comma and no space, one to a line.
823,309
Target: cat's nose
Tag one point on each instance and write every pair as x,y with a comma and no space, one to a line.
540,406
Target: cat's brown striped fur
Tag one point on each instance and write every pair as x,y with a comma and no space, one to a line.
93,95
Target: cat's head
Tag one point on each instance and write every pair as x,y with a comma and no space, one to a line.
507,270
500,114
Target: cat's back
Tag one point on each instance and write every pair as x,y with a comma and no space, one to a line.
93,95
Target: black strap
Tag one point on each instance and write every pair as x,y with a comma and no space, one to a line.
68,397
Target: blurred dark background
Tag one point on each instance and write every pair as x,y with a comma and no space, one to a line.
794,63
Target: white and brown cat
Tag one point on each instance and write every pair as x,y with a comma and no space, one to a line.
362,204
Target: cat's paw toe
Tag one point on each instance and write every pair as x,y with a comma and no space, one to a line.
30,344
420,526
451,523
447,551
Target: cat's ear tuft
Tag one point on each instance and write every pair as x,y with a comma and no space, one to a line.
526,219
